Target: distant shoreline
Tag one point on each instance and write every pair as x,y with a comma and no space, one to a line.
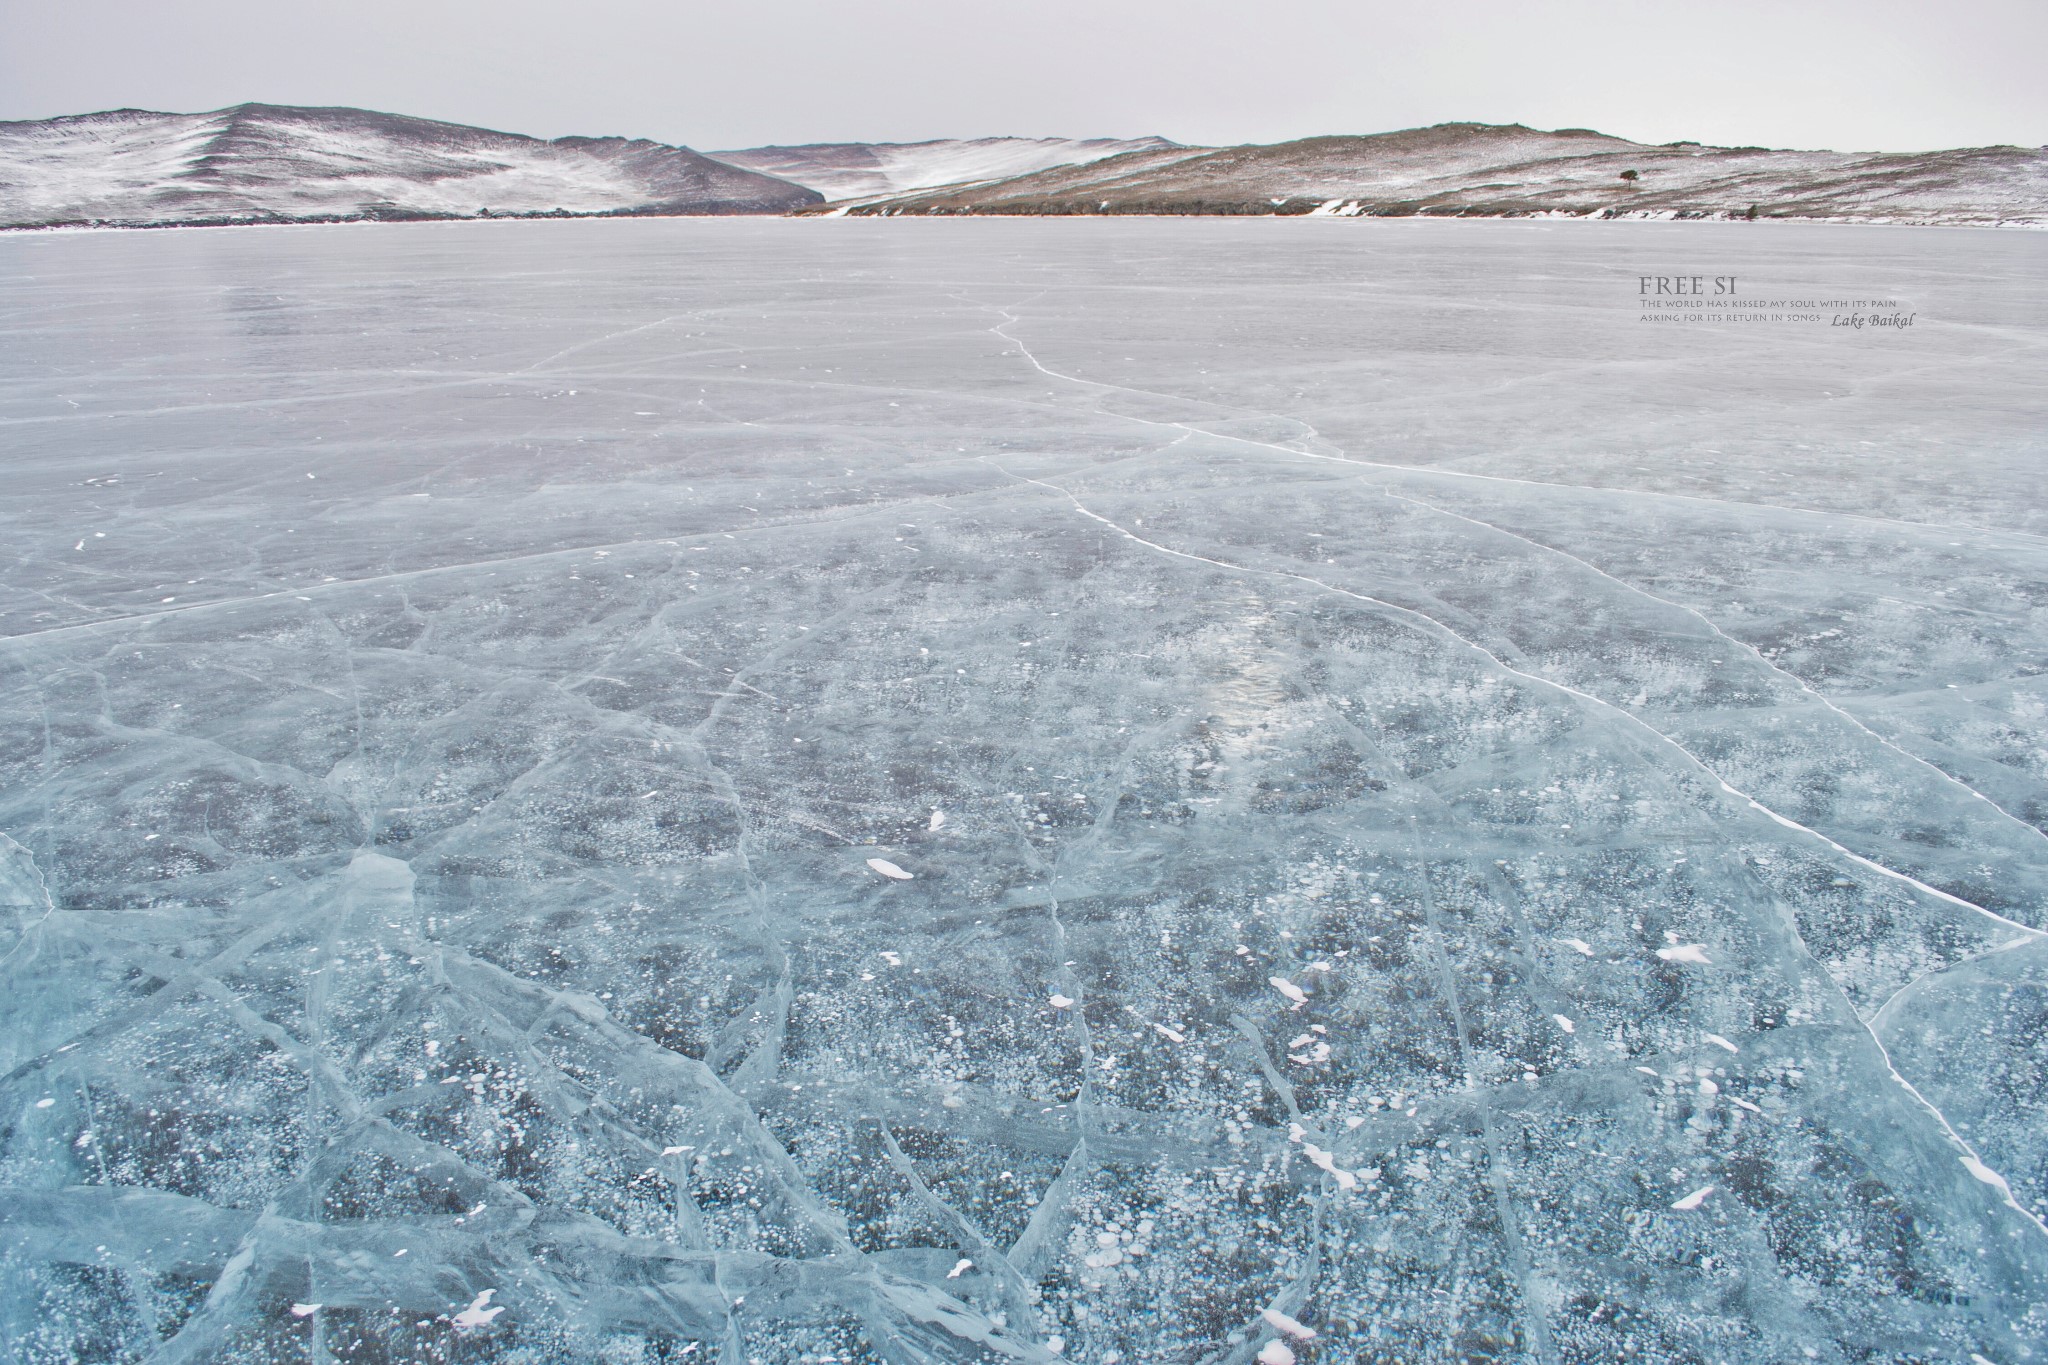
259,165
1605,216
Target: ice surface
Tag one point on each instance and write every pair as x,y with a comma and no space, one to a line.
465,688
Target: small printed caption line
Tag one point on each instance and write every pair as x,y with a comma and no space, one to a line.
1854,314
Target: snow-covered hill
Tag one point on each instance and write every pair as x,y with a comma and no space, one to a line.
273,163
858,170
1476,169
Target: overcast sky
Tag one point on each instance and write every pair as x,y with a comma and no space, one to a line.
1851,75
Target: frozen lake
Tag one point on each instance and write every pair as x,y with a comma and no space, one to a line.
1146,791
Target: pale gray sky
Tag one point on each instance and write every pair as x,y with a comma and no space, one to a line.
1846,74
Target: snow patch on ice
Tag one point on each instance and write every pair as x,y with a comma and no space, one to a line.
1287,1324
1288,989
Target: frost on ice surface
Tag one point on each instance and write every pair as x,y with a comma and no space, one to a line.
508,904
